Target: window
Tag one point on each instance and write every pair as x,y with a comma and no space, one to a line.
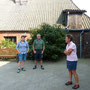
11,38
64,19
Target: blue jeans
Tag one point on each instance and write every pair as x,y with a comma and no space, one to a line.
22,57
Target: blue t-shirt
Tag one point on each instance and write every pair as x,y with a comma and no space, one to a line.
22,47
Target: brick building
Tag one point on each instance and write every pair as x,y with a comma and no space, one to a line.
18,16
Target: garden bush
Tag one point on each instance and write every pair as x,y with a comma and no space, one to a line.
54,38
7,44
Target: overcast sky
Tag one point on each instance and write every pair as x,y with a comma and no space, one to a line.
83,4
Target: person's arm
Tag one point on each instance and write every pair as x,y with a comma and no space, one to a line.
27,47
34,47
17,47
27,50
68,52
43,47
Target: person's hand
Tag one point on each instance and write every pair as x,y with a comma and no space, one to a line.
19,52
65,51
42,52
27,51
34,52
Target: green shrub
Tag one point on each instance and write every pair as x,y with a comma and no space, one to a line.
7,44
54,38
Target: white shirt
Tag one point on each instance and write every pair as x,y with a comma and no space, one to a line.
73,55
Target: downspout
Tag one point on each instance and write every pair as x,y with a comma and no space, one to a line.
81,43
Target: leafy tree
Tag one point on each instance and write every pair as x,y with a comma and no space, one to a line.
54,38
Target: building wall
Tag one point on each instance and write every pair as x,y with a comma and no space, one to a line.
76,40
75,21
14,34
85,43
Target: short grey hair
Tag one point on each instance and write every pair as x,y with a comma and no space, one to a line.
38,35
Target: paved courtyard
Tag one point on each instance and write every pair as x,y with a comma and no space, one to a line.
52,78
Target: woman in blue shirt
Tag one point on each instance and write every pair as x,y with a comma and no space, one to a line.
23,49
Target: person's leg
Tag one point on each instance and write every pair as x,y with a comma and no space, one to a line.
19,67
70,75
70,78
19,63
23,62
41,61
35,66
76,77
35,62
76,86
36,57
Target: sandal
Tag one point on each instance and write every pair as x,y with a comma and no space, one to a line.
76,86
68,83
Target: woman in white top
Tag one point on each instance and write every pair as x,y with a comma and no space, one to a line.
71,52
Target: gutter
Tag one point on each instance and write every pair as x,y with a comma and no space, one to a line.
77,29
81,34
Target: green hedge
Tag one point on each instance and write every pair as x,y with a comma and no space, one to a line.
54,38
